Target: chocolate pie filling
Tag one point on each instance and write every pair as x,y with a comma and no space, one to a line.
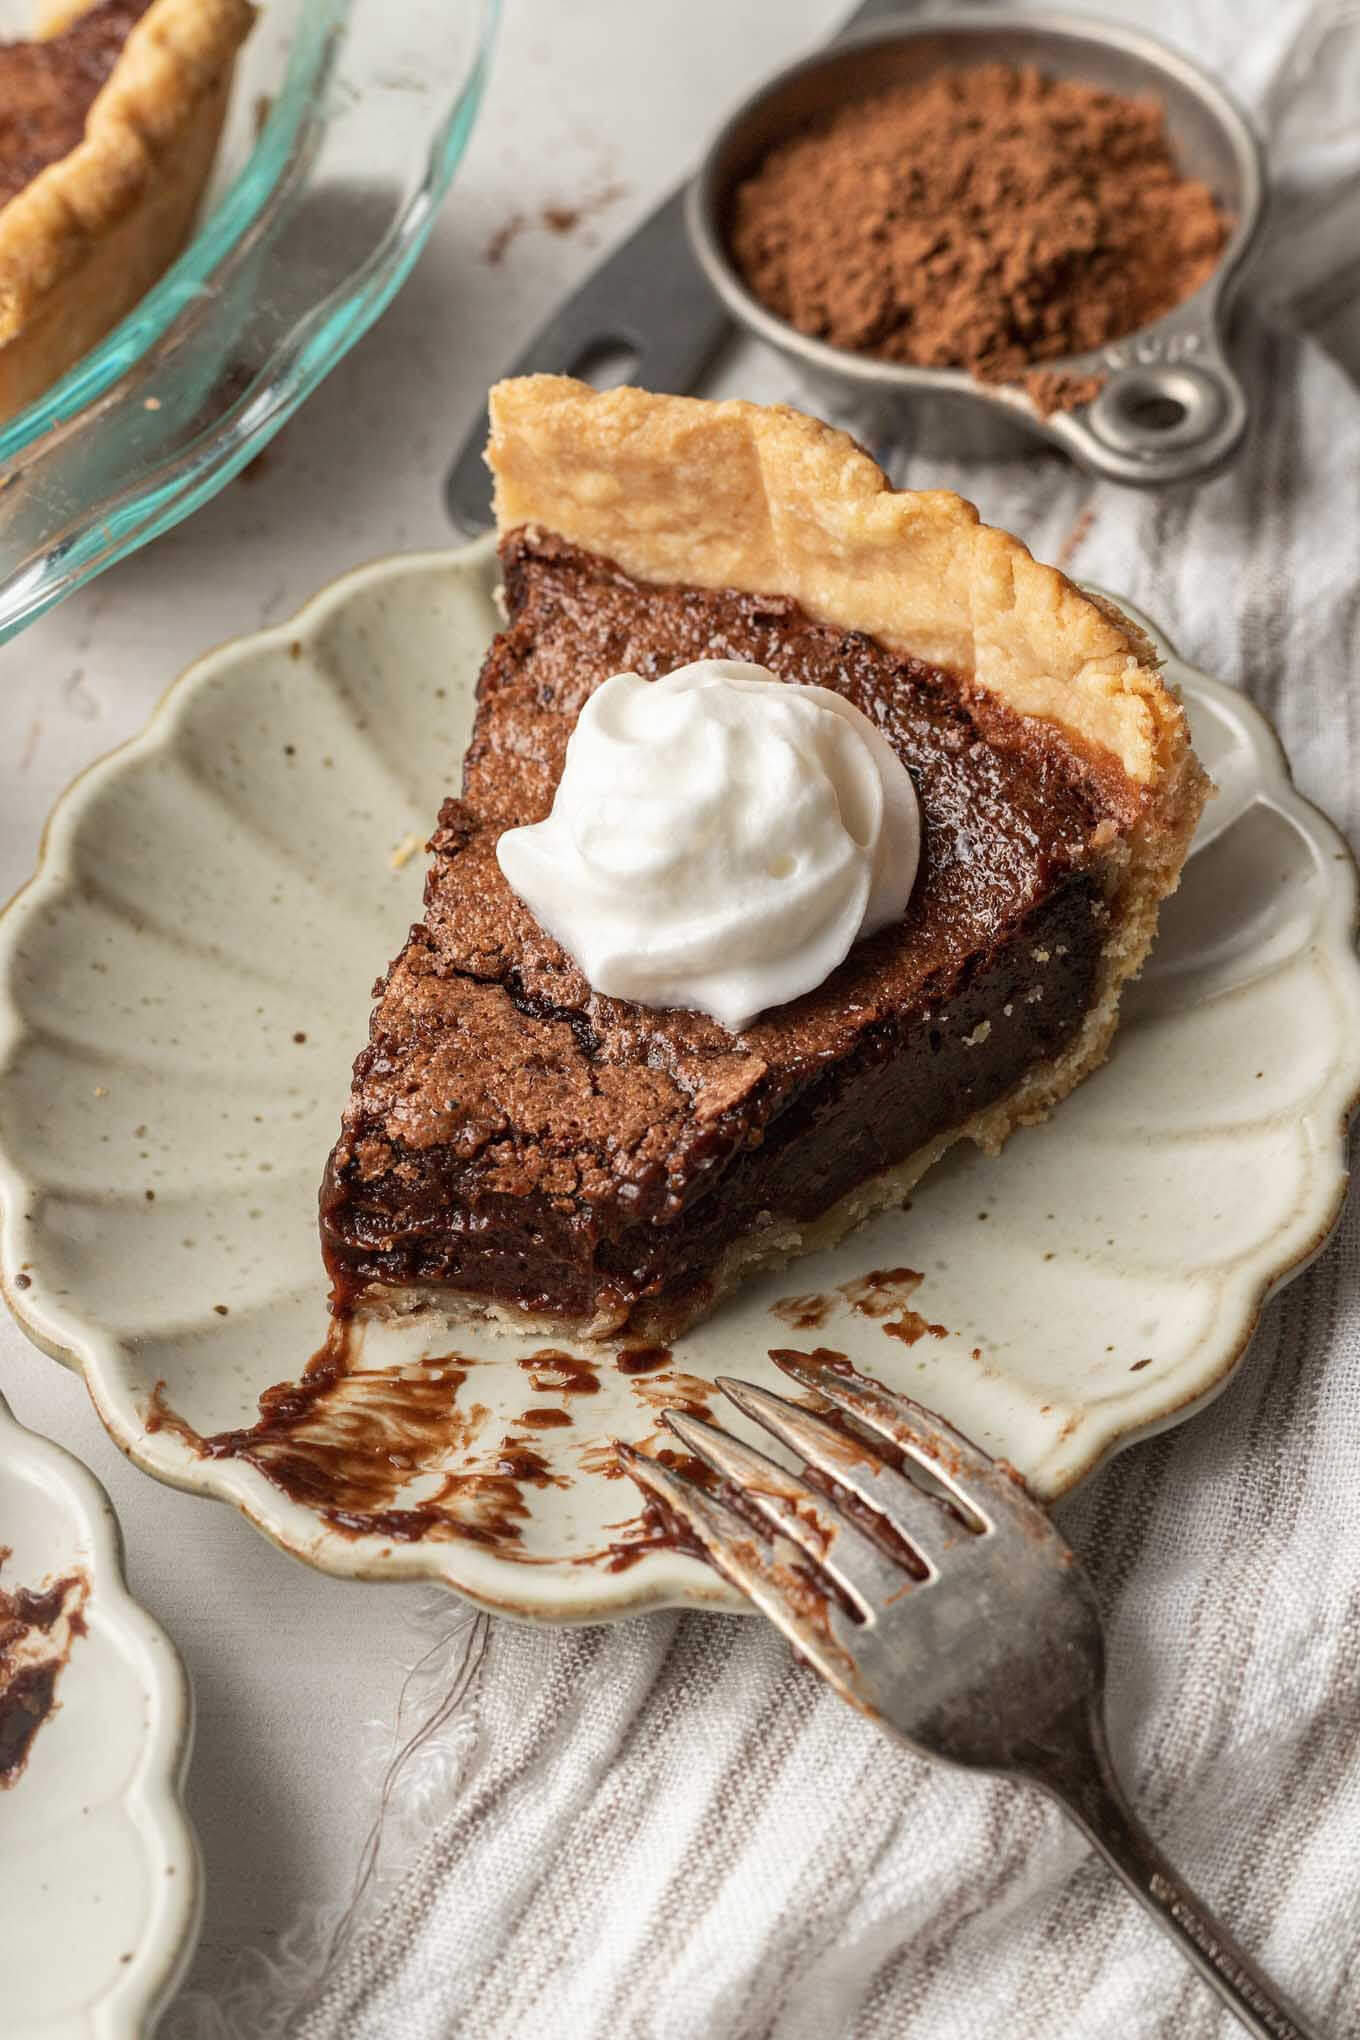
47,89
514,1137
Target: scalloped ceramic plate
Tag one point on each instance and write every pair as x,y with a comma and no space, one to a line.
100,1894
188,977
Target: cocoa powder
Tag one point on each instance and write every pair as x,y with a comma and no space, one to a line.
990,219
1050,390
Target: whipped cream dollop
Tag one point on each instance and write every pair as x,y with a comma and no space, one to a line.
719,839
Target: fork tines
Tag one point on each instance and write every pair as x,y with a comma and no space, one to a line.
838,1545
771,1572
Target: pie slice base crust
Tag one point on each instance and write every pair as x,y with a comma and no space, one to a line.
518,1148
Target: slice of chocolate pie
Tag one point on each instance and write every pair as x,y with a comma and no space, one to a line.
520,1145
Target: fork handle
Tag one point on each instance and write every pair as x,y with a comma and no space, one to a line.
1075,1769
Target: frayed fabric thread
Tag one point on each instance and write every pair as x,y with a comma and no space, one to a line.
416,1764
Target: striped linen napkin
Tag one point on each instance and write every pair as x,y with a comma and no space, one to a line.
669,1828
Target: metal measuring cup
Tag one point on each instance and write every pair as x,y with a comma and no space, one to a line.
1171,406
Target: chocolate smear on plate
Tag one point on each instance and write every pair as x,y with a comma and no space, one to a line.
38,1626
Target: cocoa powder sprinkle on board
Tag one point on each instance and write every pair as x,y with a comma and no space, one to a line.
989,218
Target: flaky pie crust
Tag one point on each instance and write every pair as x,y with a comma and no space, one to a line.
736,495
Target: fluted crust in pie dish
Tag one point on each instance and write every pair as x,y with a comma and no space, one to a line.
82,242
737,495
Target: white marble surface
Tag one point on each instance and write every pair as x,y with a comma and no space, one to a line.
289,1668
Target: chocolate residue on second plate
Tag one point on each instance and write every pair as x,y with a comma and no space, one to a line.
30,1664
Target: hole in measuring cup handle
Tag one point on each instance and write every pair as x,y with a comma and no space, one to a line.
1148,412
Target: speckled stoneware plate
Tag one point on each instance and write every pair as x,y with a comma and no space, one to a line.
99,1878
188,977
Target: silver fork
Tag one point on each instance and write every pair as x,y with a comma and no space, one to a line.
957,1618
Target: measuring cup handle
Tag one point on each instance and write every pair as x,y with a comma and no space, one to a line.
1170,408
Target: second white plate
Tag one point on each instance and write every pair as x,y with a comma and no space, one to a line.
187,980
100,1892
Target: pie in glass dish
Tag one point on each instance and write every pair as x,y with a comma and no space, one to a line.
109,125
520,1147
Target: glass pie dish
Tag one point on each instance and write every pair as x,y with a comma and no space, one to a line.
346,125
